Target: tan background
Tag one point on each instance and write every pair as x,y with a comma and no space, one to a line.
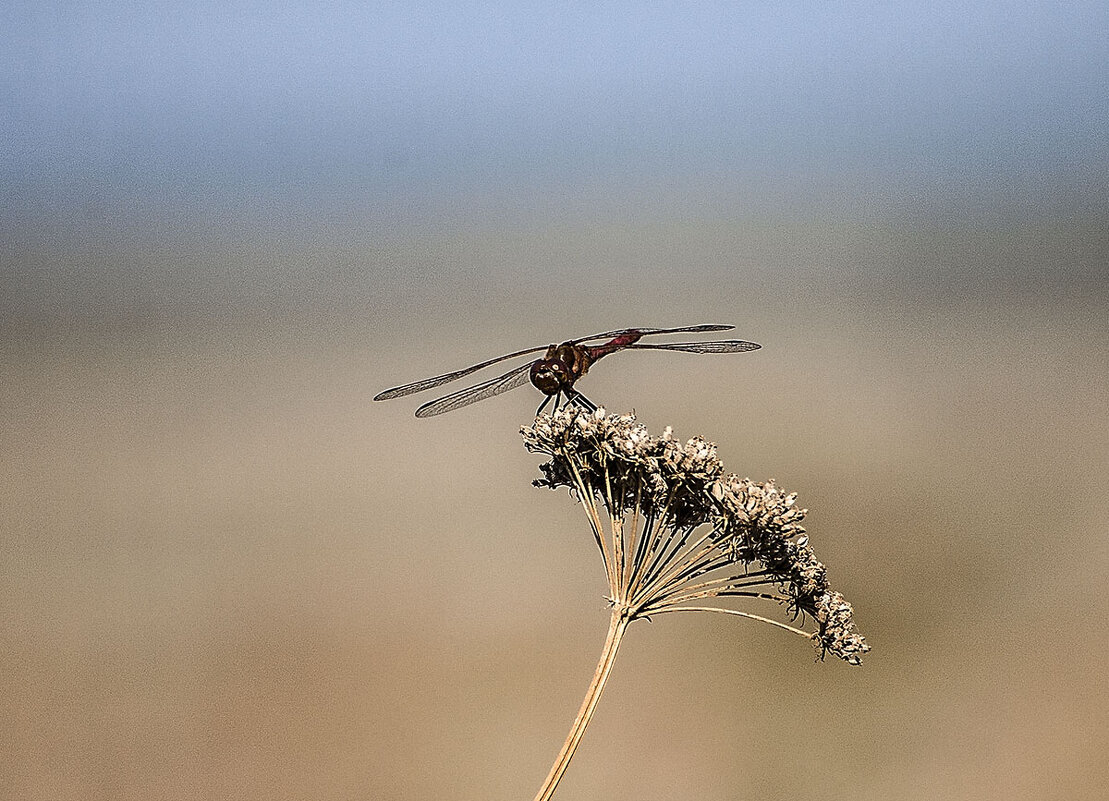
226,574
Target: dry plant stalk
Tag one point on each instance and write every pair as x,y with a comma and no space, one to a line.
677,535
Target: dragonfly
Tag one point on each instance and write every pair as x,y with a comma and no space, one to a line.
555,373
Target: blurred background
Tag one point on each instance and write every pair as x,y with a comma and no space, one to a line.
225,227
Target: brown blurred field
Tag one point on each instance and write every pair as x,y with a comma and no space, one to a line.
228,575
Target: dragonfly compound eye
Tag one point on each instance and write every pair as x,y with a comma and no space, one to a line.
549,377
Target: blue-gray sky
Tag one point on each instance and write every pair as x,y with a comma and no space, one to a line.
372,98
137,134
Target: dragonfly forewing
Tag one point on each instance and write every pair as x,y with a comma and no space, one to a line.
516,377
651,331
446,378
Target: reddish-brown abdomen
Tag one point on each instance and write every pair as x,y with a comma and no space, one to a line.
613,345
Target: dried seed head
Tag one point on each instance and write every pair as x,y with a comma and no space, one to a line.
838,635
676,487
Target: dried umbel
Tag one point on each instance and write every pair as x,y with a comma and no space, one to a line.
681,534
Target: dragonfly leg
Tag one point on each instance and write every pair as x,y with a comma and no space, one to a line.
558,399
576,397
546,400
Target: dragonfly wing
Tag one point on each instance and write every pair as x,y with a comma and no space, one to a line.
723,346
446,378
515,377
650,331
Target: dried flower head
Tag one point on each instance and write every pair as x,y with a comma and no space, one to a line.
682,533
680,529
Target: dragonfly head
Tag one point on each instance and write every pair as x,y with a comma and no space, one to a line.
551,375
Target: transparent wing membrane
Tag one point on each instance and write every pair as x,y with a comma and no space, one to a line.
446,378
723,346
516,377
652,331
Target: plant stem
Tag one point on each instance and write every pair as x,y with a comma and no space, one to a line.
616,628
